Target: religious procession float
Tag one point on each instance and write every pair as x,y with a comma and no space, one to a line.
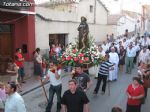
84,51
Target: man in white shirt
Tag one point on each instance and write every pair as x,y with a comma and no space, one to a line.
54,75
113,46
130,54
113,58
132,38
118,46
144,55
125,44
139,39
144,41
14,102
105,46
137,49
101,53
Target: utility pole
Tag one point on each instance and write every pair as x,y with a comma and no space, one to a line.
121,2
144,17
95,11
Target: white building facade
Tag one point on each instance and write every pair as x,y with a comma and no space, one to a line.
120,24
59,23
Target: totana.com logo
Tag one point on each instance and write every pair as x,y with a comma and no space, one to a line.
21,3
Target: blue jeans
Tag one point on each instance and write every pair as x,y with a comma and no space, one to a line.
52,90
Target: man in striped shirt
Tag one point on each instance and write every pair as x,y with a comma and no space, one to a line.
103,74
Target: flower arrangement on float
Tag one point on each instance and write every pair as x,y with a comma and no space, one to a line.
89,56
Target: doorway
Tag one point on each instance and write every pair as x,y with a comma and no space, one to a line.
57,39
6,46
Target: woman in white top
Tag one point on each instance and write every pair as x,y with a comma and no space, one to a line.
38,64
13,71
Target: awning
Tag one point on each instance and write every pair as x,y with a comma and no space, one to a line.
17,11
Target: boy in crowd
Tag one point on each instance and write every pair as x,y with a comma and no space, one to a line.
103,74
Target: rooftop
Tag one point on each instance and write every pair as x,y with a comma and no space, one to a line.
113,19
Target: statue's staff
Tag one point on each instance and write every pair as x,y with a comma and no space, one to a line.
42,84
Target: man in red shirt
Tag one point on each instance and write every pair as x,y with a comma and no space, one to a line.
135,93
19,60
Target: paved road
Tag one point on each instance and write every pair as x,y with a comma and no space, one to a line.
35,100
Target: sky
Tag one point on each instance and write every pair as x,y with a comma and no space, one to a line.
114,6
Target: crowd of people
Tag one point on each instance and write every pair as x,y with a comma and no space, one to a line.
128,51
10,99
124,52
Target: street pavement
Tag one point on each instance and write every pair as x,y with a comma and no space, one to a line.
36,102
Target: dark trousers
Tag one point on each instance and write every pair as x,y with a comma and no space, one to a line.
52,91
149,47
131,108
135,58
145,96
99,79
21,72
146,90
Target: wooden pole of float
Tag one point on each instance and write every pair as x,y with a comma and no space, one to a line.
44,89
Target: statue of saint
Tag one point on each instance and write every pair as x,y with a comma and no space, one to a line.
83,33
